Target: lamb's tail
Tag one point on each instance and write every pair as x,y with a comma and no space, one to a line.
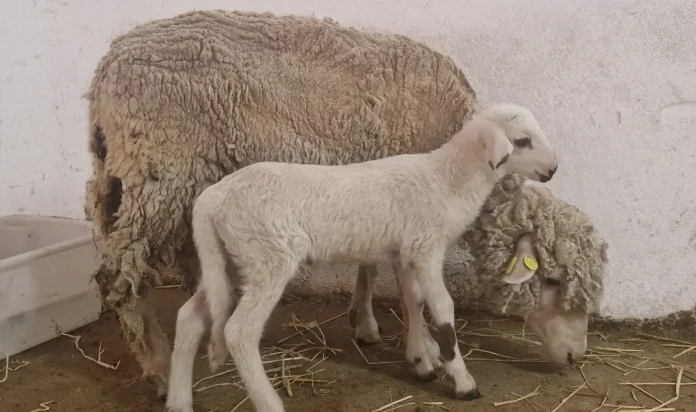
214,279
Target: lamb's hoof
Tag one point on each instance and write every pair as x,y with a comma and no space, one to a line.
469,396
428,377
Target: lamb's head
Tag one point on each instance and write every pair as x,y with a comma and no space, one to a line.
524,149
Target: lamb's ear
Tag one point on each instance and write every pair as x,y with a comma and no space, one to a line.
498,146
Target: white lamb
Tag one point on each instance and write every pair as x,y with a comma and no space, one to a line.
270,218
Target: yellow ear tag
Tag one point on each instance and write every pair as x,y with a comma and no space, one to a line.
512,265
531,263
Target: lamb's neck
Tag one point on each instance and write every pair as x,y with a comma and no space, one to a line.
465,172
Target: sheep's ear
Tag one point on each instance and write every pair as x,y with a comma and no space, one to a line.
498,147
523,264
521,269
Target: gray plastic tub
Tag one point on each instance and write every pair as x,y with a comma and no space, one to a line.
45,268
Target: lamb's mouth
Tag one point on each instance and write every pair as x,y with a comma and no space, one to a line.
543,178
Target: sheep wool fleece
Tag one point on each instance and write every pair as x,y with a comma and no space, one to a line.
178,103
564,239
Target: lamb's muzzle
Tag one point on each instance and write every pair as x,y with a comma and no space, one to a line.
543,178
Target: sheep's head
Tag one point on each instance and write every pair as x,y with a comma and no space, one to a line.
563,333
560,285
517,144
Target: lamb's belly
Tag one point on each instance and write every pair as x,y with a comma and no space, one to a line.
355,250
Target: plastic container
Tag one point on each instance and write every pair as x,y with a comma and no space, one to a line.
46,264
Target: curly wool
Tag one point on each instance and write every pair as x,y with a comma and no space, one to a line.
564,238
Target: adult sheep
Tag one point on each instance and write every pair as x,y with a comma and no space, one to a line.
534,256
178,103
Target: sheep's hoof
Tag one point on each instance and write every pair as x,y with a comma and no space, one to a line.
367,342
162,391
469,396
353,318
428,377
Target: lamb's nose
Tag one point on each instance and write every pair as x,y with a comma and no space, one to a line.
545,178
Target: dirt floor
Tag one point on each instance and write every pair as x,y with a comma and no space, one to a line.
506,367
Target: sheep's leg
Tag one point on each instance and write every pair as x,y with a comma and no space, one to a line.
150,224
145,336
367,330
191,322
264,287
417,351
189,262
429,275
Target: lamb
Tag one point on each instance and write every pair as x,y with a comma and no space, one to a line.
534,256
178,103
270,218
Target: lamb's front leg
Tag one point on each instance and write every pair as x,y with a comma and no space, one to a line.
422,353
367,330
428,273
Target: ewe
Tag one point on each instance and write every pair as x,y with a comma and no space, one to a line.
270,218
178,103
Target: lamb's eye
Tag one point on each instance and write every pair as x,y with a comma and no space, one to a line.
524,143
551,281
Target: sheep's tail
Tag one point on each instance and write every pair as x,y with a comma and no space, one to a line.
213,259
103,192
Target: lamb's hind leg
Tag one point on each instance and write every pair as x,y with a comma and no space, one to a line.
265,282
191,323
367,330
217,347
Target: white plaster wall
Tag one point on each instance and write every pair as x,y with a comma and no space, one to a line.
613,83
